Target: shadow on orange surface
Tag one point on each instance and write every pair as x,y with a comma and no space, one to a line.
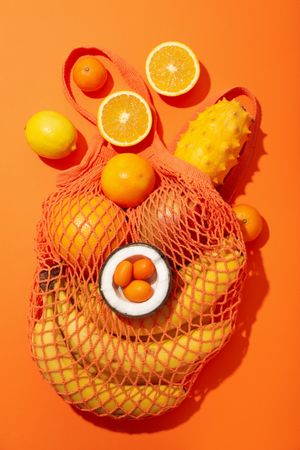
241,174
71,160
218,369
195,95
105,90
253,164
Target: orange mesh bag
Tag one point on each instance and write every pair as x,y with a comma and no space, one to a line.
96,359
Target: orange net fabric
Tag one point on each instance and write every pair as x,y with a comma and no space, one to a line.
94,358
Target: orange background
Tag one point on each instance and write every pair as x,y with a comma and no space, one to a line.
248,397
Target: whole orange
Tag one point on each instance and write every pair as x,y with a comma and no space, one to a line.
89,74
250,221
85,230
127,179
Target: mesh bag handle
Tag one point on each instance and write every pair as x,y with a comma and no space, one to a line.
98,146
130,75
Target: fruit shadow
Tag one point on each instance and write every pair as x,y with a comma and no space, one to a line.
195,95
217,369
71,160
104,90
247,166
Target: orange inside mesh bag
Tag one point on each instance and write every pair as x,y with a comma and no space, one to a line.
105,363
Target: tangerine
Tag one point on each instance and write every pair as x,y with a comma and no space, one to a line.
250,221
89,74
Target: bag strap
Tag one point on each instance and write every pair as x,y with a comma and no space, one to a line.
130,75
236,175
99,146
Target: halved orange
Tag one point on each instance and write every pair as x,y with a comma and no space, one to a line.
172,68
124,118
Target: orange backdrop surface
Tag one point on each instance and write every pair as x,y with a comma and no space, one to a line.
248,397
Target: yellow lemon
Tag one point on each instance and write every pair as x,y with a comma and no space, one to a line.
50,134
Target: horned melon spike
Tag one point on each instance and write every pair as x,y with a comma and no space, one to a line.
213,141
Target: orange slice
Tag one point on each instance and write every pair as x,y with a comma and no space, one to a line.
172,68
124,118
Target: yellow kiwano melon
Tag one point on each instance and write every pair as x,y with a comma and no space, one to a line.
213,141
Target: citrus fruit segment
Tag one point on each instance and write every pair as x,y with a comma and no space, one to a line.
89,74
172,68
127,179
124,118
50,134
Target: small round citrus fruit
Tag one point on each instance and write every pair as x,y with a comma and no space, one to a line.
138,291
124,118
86,229
50,134
123,273
89,74
250,221
127,179
172,68
143,269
